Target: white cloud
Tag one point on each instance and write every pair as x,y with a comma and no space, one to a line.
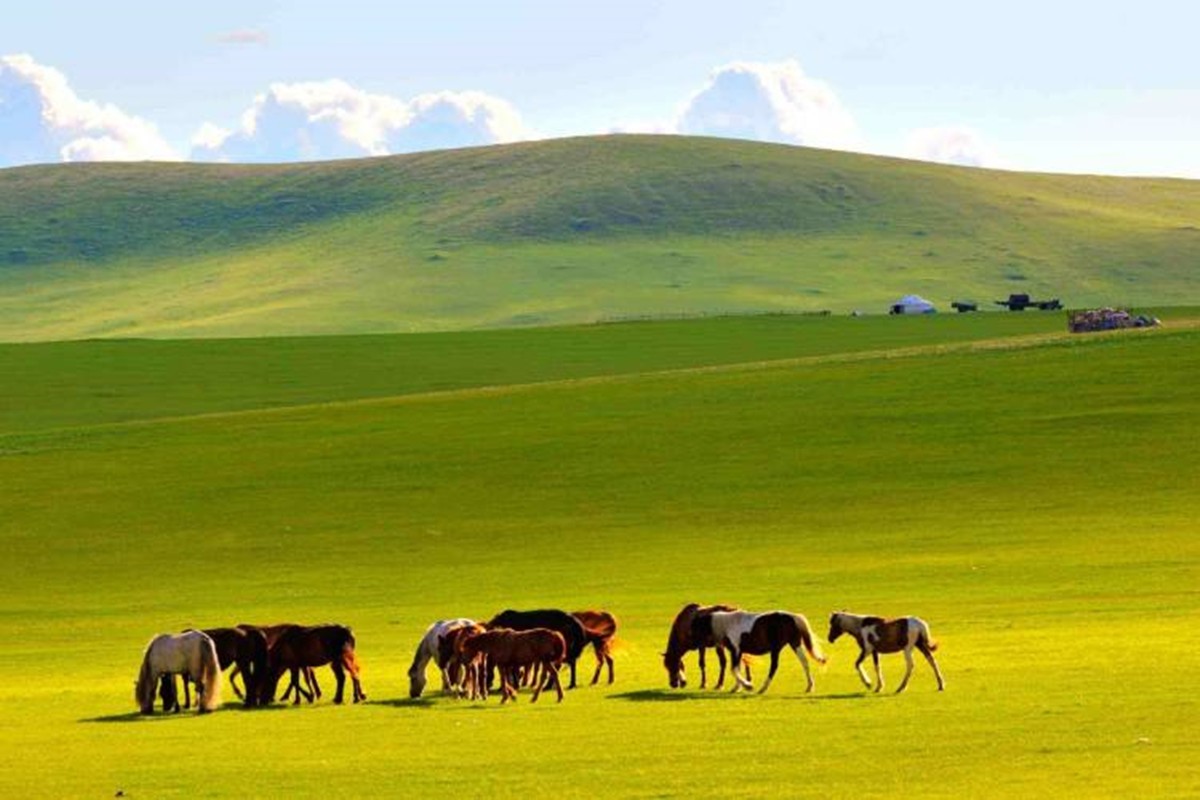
951,145
332,119
772,103
43,120
243,36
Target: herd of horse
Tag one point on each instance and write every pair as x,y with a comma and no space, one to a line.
515,648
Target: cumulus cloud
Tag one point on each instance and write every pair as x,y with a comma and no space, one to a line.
772,103
951,145
43,120
332,119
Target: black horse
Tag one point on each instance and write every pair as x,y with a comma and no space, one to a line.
571,629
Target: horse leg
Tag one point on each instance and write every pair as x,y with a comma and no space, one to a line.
187,694
557,683
720,674
799,651
599,663
771,673
878,673
572,686
908,661
339,673
862,674
609,659
933,663
237,669
739,682
543,678
310,678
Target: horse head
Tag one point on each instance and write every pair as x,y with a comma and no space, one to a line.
835,626
673,662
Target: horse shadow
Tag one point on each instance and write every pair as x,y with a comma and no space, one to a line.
159,716
724,695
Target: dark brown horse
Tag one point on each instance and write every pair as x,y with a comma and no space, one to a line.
511,651
553,619
247,649
272,634
299,647
599,627
683,637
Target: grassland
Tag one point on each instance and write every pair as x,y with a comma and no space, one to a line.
1030,494
563,231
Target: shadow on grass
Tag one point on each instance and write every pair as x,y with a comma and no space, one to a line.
160,716
722,695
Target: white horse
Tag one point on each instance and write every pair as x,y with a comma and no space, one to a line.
876,635
750,633
191,654
427,651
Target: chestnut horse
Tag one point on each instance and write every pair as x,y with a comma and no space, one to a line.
272,634
459,668
745,632
510,651
570,628
599,627
300,646
877,635
682,639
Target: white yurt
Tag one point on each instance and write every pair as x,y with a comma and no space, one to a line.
912,304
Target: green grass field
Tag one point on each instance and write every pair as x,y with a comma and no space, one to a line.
1030,494
564,232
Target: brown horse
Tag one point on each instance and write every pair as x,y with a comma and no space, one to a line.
511,651
451,659
683,638
314,646
272,634
247,649
599,627
877,635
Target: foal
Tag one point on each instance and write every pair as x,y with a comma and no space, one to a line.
510,650
876,635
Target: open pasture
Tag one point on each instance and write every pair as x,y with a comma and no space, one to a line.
1031,495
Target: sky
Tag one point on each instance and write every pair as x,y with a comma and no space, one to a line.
1099,87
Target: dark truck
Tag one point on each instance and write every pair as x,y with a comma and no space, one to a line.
1020,302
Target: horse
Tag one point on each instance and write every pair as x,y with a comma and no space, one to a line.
877,635
510,651
599,627
272,634
681,639
300,646
428,650
192,654
245,647
459,668
571,629
745,632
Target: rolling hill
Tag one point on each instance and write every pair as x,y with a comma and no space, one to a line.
563,231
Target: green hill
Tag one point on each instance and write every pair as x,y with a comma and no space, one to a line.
560,231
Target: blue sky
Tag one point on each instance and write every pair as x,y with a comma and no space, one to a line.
1071,87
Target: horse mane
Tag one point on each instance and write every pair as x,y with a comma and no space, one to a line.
210,675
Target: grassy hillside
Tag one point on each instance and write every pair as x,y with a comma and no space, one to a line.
563,231
1032,496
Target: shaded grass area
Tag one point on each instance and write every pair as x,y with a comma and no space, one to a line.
1035,510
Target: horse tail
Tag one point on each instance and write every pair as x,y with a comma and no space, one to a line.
210,675
143,693
925,637
806,638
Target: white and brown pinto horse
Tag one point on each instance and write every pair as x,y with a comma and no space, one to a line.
876,635
749,633
428,650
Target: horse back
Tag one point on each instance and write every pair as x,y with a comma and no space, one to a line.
568,626
887,635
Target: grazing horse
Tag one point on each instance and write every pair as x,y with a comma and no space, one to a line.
876,635
272,634
570,628
599,627
191,654
510,651
300,646
429,650
681,639
246,648
745,632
